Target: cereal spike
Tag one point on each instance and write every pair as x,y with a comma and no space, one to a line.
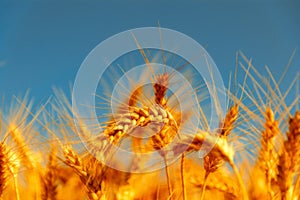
228,123
268,158
137,117
160,89
289,158
49,179
4,172
90,172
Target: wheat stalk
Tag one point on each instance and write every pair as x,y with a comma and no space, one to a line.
182,176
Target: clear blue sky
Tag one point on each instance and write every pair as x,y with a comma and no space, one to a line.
43,43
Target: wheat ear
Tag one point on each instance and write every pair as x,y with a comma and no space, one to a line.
9,165
223,187
268,159
137,117
289,158
3,168
89,173
23,149
160,89
212,162
220,149
228,122
49,179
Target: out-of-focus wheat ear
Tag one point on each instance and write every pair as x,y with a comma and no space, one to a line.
28,159
222,186
24,151
219,148
3,168
289,158
9,165
268,158
211,161
159,141
49,178
90,172
222,148
211,164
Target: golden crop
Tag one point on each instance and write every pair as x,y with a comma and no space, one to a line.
255,153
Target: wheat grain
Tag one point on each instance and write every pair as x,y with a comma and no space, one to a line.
137,117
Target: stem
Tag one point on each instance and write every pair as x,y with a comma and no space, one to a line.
16,187
270,193
295,188
168,176
204,185
182,176
237,174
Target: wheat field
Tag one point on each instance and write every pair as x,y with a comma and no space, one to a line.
254,153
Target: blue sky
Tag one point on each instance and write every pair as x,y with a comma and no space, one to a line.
43,43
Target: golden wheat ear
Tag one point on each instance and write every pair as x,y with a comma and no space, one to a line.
160,89
289,158
268,158
9,166
4,172
49,179
89,172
